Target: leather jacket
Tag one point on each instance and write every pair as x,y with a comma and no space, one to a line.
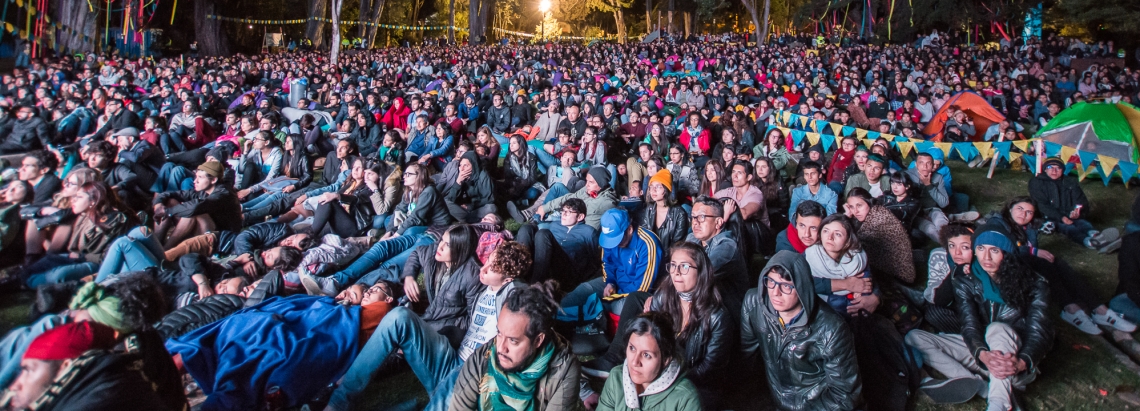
810,362
672,231
1032,323
708,353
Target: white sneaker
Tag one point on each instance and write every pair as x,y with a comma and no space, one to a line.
1082,321
1115,320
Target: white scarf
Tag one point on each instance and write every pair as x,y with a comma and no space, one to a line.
822,266
664,381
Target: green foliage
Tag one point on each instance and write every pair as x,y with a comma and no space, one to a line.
549,28
608,6
707,9
1114,18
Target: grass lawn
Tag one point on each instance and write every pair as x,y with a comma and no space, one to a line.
1079,374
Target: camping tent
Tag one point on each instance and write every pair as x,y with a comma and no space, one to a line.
976,107
1108,129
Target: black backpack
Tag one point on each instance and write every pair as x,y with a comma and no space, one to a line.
889,373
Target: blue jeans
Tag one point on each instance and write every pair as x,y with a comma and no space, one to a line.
1077,231
57,268
555,191
258,202
133,252
173,177
14,344
544,158
1126,307
382,260
429,354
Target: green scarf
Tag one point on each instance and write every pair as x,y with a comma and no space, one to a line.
101,305
989,290
513,391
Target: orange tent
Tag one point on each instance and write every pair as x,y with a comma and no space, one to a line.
976,107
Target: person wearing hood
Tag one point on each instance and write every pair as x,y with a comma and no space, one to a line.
808,350
367,134
1006,331
843,158
397,115
471,195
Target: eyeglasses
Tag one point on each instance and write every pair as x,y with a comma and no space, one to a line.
702,218
69,183
411,174
682,268
785,288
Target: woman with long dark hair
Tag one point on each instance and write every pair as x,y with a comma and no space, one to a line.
1069,290
296,173
686,176
101,218
348,211
713,179
774,148
776,194
650,378
520,172
706,335
422,204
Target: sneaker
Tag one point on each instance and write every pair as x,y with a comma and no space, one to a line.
1047,228
317,285
599,367
1110,247
1082,321
522,216
1115,320
977,162
966,216
1108,235
954,390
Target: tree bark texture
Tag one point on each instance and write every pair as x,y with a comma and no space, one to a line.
315,30
74,14
479,12
335,46
451,22
212,41
764,32
377,7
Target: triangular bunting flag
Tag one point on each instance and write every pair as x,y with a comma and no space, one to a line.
965,150
1105,175
889,137
803,121
837,129
1066,153
872,135
1127,171
983,149
1107,165
828,141
945,147
787,117
797,136
1087,158
1013,156
923,146
1030,163
813,138
868,142
1002,149
848,130
905,147
861,133
819,125
1054,150
1022,145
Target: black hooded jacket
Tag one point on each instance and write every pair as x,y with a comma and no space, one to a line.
474,192
810,363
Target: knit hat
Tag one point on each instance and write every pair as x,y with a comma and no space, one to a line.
69,341
664,177
222,151
1053,160
994,235
601,176
100,305
213,168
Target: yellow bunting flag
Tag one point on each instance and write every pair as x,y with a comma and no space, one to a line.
803,121
836,128
1014,157
787,117
861,133
905,147
1022,145
889,137
813,138
1067,153
984,148
945,147
1108,164
868,142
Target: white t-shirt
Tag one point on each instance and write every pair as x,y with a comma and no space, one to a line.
876,189
484,324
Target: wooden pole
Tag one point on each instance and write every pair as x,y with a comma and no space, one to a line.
994,160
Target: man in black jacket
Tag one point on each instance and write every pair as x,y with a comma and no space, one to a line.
808,350
38,169
1005,328
1062,201
117,119
256,237
28,133
209,206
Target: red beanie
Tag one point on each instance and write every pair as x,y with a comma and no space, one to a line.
69,341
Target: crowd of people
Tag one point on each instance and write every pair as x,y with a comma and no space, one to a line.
262,232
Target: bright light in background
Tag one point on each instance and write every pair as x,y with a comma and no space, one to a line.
544,6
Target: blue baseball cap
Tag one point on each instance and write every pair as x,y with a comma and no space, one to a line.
614,223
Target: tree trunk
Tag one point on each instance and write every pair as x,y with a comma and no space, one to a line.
620,20
212,41
335,49
315,30
74,14
363,14
764,31
451,22
648,23
373,16
479,12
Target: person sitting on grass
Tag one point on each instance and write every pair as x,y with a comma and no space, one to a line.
1063,203
209,206
433,358
1006,330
